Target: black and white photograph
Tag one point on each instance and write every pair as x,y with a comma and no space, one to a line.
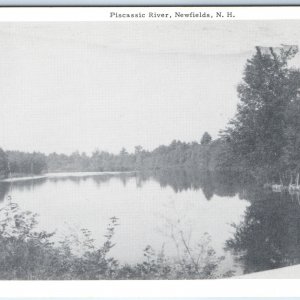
149,150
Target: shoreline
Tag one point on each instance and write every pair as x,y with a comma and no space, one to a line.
64,174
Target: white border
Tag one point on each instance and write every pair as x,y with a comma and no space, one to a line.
163,288
205,288
144,2
94,14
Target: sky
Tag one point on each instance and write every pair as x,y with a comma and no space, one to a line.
85,86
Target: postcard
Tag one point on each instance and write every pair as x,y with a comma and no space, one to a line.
142,143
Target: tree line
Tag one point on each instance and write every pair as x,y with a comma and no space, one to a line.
17,163
263,138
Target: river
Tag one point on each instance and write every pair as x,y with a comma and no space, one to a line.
252,228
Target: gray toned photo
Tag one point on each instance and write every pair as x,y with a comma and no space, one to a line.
149,150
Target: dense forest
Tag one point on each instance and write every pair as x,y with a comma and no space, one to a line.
263,138
205,155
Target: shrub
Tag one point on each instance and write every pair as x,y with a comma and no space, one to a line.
29,254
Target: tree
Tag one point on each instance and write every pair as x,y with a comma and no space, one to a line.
206,138
138,152
4,168
26,163
125,161
291,155
258,133
123,152
38,163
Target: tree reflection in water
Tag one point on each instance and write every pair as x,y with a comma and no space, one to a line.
223,184
22,185
31,184
269,236
4,189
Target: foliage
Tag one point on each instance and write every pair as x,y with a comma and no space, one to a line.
206,155
29,254
21,163
4,169
262,130
206,138
99,161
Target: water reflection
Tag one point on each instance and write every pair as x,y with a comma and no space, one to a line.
211,183
4,189
269,235
220,184
32,184
266,233
26,185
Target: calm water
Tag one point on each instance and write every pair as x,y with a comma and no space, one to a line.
159,209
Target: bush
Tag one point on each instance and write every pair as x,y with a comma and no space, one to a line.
29,254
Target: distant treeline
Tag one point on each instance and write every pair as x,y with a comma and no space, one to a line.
263,138
19,163
204,154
